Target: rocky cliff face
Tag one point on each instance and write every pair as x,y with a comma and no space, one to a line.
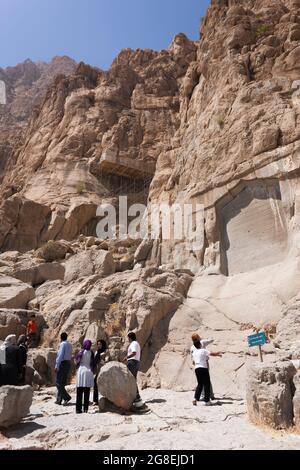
236,153
95,135
214,122
25,86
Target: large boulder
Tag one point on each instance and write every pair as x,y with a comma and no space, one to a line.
54,250
117,384
104,263
78,266
88,263
15,404
143,250
14,293
296,402
270,394
41,367
40,273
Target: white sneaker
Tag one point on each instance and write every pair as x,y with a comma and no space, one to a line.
208,403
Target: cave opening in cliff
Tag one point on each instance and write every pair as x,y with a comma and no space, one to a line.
253,227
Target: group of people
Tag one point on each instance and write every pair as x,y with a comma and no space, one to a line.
13,354
88,365
13,359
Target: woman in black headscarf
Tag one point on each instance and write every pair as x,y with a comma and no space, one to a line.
100,357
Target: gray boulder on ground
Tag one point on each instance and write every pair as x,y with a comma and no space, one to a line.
117,384
269,394
15,403
296,402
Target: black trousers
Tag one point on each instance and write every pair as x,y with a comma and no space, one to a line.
61,381
203,380
96,393
82,391
134,366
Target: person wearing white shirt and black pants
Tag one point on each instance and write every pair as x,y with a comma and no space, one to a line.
200,361
204,343
134,358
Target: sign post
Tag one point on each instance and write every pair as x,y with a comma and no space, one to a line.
259,339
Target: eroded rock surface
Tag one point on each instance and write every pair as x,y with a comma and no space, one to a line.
15,403
117,384
171,423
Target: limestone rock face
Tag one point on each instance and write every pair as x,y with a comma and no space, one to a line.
14,293
107,306
95,134
88,263
117,384
15,403
211,124
25,85
269,394
296,402
40,368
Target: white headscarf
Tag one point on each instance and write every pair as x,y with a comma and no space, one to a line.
10,340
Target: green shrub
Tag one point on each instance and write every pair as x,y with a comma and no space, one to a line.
80,188
221,121
262,29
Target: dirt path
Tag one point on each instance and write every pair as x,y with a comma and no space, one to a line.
171,423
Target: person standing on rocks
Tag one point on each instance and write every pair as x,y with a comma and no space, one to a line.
32,331
22,343
100,357
133,359
200,361
11,365
62,369
85,362
204,344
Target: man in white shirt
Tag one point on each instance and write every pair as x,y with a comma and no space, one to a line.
134,358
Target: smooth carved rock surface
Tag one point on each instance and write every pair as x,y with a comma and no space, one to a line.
269,394
117,384
254,229
15,403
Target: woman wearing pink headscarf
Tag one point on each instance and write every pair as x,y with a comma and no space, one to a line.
85,376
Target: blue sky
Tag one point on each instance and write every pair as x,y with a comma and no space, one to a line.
92,30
